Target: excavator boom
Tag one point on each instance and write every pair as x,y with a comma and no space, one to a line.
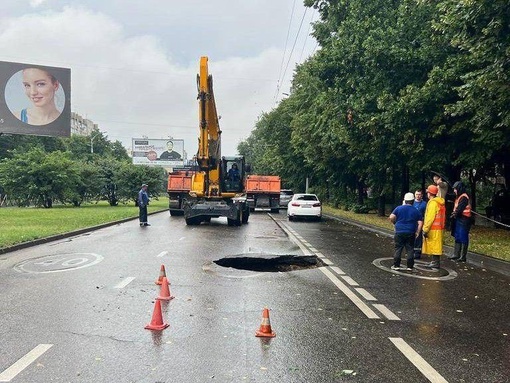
216,189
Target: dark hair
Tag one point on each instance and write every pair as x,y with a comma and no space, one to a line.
461,189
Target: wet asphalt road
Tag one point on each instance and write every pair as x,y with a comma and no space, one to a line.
75,310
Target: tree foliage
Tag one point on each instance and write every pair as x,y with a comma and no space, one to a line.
397,89
42,170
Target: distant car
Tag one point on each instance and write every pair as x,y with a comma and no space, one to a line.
285,197
304,205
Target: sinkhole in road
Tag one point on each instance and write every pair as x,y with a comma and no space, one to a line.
272,263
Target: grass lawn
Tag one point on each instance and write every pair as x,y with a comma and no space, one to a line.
483,240
26,224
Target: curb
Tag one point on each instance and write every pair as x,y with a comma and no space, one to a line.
474,259
56,237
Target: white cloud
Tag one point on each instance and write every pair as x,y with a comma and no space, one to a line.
36,3
129,82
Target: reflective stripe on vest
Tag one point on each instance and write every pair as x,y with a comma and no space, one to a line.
467,211
439,219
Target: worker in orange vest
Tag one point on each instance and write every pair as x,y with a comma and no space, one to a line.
461,220
433,225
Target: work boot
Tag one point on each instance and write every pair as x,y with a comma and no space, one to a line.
456,251
462,257
435,262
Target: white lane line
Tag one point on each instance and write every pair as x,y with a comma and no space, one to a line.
351,295
320,255
314,249
365,294
349,280
162,254
386,311
337,270
294,239
24,362
421,364
182,238
327,261
124,283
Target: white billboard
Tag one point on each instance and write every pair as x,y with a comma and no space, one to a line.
36,99
159,152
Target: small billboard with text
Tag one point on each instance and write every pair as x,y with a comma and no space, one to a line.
35,99
159,152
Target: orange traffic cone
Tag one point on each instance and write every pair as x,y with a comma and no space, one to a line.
157,319
164,292
162,273
265,326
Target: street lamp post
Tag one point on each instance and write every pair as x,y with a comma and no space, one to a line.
92,142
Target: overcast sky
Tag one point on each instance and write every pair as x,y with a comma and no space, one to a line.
134,63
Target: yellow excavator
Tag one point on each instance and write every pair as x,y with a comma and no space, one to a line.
218,187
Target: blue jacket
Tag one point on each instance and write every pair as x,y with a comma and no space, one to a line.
143,198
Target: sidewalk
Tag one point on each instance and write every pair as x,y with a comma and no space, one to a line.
474,259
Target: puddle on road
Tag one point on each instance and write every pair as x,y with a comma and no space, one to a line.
272,264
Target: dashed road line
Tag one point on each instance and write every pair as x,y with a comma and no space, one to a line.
162,254
349,294
124,283
337,270
365,294
349,280
22,363
421,364
385,311
327,261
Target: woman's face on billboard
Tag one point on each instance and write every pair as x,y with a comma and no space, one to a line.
39,86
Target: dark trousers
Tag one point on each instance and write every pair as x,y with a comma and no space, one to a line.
142,214
418,243
404,241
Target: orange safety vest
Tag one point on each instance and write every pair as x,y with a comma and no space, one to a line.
439,219
467,211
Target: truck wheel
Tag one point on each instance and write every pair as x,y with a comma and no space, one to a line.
192,221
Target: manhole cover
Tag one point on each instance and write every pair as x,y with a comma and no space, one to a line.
271,263
421,271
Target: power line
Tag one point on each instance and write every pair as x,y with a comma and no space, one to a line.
293,46
284,52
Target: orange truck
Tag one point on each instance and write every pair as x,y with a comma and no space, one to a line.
263,192
179,185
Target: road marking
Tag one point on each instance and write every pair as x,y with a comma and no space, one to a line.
327,261
337,270
162,254
421,364
124,283
386,312
24,362
313,249
353,297
452,274
365,294
349,280
320,255
182,238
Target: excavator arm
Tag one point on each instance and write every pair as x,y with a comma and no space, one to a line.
211,195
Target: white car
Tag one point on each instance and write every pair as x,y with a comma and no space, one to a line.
304,205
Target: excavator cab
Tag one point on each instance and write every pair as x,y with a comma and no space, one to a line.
233,171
